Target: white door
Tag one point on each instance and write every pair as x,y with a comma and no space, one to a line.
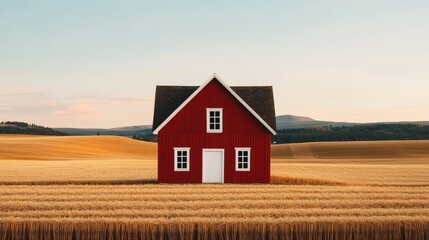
212,165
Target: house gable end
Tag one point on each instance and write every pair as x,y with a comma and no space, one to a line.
236,92
192,118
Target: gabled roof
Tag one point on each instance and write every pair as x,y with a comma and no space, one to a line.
169,100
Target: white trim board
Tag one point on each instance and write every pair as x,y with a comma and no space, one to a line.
156,131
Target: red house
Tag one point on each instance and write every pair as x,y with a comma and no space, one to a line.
214,133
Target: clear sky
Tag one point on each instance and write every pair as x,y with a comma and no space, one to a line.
96,63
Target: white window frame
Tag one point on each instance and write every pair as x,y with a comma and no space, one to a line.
220,130
176,150
248,158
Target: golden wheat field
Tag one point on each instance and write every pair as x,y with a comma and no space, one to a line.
101,188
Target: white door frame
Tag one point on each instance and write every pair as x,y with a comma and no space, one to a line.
223,161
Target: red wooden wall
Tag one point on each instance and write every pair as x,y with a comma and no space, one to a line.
240,129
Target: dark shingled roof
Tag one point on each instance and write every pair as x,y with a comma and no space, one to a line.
169,98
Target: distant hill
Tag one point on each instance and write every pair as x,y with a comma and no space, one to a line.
291,121
416,122
360,132
144,132
132,128
128,131
10,127
283,122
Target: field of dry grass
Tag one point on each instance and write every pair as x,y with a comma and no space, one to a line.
376,163
377,150
30,147
325,192
90,159
249,211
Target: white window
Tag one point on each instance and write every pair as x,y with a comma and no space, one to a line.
242,159
214,120
181,159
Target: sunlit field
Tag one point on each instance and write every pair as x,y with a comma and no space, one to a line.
104,188
377,163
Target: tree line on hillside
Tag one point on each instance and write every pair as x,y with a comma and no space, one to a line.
146,135
9,127
362,132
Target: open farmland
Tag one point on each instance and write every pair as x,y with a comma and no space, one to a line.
230,211
26,159
376,163
31,147
330,196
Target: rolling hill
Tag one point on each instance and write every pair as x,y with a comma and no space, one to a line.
128,131
30,147
360,132
283,122
291,121
13,127
406,150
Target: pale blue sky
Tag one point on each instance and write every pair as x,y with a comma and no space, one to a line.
96,63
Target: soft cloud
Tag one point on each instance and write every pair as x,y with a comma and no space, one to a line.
128,100
27,102
79,112
22,104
